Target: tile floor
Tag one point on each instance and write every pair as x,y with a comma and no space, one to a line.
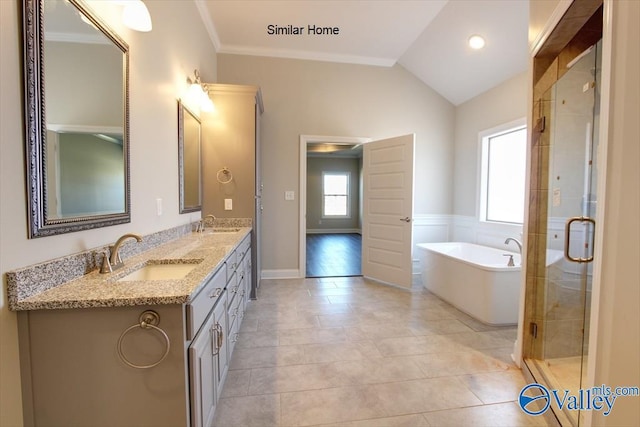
349,352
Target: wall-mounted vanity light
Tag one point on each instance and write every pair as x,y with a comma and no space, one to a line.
135,15
198,94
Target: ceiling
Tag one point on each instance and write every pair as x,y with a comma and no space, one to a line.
427,37
331,149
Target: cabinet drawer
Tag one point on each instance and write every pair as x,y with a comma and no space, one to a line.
234,328
247,277
236,307
232,288
231,264
199,308
243,248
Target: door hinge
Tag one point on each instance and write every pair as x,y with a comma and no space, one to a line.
540,125
533,329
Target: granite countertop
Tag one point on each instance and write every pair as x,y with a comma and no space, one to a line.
208,250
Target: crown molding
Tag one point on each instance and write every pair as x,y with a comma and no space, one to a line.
208,24
311,56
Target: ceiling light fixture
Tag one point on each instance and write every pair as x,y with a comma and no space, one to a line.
198,93
135,15
476,42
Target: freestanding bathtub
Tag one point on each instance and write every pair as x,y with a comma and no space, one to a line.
473,278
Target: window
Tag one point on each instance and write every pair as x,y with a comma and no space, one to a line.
502,181
335,194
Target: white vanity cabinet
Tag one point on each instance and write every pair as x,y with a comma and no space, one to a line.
238,291
74,373
208,361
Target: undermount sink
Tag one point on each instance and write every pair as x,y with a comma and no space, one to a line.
160,271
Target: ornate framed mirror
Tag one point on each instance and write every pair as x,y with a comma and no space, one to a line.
77,119
189,160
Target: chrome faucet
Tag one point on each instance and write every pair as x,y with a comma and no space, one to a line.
517,242
202,223
113,261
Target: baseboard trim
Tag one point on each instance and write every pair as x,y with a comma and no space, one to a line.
281,274
334,231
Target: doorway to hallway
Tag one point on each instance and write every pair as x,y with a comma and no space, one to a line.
385,204
334,255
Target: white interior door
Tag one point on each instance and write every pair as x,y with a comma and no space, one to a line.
387,210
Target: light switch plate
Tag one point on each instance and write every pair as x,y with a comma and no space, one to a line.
289,195
228,204
556,197
159,207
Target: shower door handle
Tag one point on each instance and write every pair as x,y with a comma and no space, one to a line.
567,241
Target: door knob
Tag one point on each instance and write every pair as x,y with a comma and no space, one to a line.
405,219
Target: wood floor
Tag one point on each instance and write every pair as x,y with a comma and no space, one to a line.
334,255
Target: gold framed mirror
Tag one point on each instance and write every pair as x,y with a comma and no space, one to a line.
76,117
189,160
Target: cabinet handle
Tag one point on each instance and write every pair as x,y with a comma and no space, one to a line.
215,349
216,293
220,336
217,339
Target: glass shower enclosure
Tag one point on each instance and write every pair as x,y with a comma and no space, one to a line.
560,330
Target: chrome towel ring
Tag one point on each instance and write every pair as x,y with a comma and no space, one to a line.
224,176
147,320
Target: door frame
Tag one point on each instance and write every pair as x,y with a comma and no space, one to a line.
302,232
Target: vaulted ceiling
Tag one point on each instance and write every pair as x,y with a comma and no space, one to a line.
427,37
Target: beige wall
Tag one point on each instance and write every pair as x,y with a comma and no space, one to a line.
321,98
315,167
502,104
160,63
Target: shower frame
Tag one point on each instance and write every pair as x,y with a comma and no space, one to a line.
580,27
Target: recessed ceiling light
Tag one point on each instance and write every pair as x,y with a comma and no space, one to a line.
476,42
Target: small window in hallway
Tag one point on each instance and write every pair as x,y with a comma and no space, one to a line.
502,180
335,194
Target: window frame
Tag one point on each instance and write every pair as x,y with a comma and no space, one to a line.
348,194
483,168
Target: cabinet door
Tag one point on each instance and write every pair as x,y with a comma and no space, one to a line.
203,362
208,361
220,335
